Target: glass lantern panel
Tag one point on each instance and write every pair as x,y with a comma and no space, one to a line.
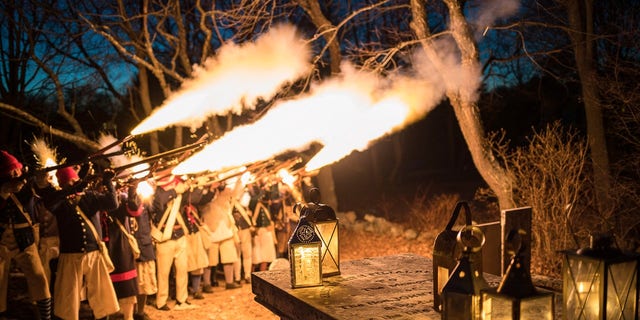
621,291
443,276
328,232
539,307
582,282
458,306
305,264
496,307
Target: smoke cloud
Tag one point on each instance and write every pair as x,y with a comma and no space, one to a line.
489,11
234,79
344,113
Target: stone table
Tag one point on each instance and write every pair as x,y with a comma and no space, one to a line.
389,287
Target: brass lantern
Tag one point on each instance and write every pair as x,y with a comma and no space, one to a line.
305,250
324,219
516,297
462,292
446,251
600,282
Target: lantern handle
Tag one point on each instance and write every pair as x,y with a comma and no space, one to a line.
300,209
468,246
314,195
456,212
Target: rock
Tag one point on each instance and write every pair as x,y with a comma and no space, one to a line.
410,234
347,217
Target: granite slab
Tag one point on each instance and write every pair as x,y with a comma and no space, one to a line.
389,287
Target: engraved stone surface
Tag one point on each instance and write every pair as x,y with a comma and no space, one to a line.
390,287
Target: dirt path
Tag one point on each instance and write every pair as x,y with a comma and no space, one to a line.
235,303
219,305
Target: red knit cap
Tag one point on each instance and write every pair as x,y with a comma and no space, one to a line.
65,175
8,163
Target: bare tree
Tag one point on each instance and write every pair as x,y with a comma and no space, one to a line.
166,39
463,102
581,23
162,40
40,61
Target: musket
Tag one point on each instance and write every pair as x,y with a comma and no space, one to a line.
249,168
78,162
111,145
218,176
283,165
161,155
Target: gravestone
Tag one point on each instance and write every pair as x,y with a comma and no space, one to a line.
389,287
515,219
492,249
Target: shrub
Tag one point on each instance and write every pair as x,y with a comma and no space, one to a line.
549,175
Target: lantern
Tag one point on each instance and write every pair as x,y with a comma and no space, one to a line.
326,226
305,255
446,251
600,282
516,297
462,292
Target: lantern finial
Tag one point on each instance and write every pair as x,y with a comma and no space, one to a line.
314,195
600,245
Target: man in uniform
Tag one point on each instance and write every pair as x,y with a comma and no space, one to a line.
18,239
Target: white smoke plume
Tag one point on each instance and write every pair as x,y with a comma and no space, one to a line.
489,11
352,110
107,139
344,113
446,73
122,159
234,79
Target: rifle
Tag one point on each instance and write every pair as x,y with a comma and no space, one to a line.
220,176
184,149
288,164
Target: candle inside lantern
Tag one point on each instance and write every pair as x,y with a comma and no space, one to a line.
589,296
306,259
305,255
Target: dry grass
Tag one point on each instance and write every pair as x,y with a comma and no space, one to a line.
357,245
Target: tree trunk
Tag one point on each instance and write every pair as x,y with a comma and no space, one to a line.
145,100
312,8
327,29
580,14
463,101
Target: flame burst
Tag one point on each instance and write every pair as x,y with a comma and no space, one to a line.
136,172
235,78
287,177
343,114
145,190
45,157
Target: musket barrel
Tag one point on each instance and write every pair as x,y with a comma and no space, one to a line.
78,162
160,155
111,145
